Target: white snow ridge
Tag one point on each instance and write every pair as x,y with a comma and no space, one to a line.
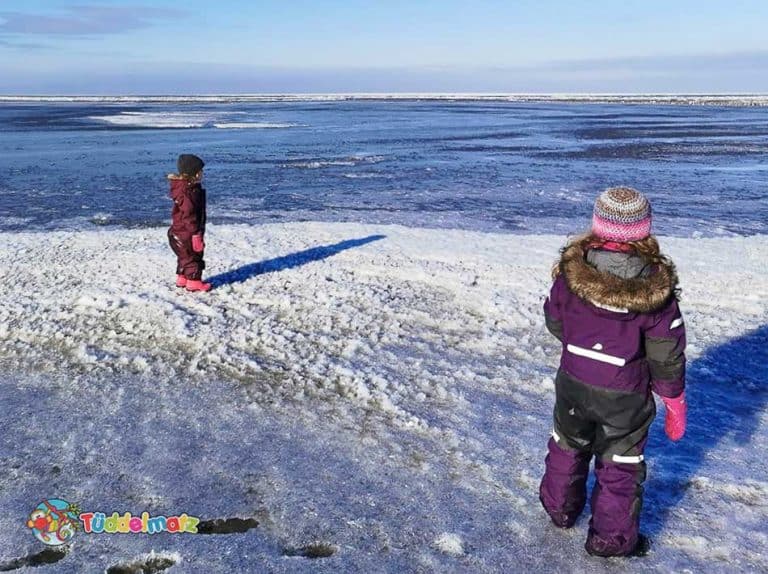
672,99
450,544
351,398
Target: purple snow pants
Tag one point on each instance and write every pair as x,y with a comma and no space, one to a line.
613,427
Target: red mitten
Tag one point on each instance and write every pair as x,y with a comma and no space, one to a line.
674,424
198,245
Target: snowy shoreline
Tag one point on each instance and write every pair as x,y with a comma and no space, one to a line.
721,99
385,391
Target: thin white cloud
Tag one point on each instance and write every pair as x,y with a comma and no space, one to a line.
673,62
85,20
16,45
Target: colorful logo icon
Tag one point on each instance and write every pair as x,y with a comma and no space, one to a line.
54,521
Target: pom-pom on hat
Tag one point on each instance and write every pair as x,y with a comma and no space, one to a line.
621,214
189,164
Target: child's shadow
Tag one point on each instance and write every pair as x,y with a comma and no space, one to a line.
727,391
289,261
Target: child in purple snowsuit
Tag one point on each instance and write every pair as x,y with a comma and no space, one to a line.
614,308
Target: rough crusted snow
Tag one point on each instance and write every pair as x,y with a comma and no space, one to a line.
450,544
379,393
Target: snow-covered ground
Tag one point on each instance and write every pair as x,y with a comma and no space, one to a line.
377,398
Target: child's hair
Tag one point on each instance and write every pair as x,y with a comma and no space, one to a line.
647,248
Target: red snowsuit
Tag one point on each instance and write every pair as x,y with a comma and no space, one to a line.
188,219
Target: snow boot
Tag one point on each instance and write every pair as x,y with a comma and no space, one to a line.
198,285
563,520
607,549
643,547
181,281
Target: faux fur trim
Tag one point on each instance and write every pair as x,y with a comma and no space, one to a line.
641,295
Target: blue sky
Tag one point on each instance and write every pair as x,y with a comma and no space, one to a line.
126,46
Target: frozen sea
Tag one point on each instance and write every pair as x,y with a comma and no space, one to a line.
489,165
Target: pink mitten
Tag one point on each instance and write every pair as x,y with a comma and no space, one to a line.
674,424
198,245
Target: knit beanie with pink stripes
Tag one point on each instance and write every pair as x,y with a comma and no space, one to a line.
621,214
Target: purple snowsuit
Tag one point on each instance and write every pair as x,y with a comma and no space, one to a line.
623,336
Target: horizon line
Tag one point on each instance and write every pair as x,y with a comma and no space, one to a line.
387,94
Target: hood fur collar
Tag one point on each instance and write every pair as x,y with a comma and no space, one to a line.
640,295
180,186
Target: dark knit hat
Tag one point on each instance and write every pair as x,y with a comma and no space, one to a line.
622,214
189,164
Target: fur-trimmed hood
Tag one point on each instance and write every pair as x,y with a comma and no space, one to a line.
639,294
180,186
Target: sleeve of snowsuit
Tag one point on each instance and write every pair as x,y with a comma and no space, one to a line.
665,351
193,210
552,312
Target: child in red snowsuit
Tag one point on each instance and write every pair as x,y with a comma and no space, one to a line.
187,231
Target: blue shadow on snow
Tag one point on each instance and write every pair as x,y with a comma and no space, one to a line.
289,261
726,391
